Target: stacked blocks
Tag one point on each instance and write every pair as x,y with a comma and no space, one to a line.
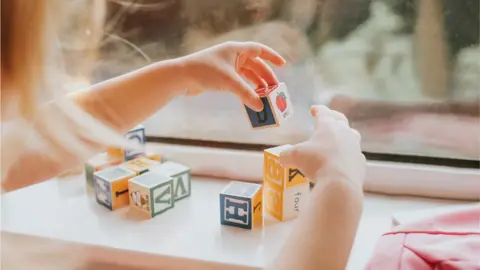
181,178
139,165
285,188
277,107
111,187
151,193
241,205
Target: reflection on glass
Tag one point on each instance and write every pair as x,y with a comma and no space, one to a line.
405,72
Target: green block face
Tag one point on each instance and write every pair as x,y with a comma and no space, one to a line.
89,170
162,197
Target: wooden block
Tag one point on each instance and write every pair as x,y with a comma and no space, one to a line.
277,104
151,193
285,188
181,178
241,205
115,152
99,162
111,187
136,134
139,165
153,156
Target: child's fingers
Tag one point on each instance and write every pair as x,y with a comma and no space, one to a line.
258,66
253,77
320,111
289,156
254,50
244,92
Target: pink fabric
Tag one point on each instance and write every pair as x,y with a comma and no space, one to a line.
449,241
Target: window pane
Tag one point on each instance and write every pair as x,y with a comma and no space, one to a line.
405,72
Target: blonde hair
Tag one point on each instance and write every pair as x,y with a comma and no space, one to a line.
32,75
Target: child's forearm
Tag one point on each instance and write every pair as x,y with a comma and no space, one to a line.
323,235
127,100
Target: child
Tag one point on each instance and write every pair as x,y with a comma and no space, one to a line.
45,132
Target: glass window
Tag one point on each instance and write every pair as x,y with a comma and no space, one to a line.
405,72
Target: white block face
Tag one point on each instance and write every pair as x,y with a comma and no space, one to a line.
281,102
295,200
137,135
181,186
162,198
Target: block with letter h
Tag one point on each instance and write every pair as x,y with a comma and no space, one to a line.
111,187
181,178
285,188
151,193
241,205
277,107
136,134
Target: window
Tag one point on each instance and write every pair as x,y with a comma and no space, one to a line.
406,73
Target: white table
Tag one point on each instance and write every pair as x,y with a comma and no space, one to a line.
61,218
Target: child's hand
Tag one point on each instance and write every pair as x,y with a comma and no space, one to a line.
222,67
333,151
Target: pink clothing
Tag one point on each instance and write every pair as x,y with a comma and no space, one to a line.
449,241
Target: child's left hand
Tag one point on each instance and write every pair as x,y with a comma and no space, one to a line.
222,67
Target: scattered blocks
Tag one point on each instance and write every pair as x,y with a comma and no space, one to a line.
241,205
139,165
181,178
98,163
285,188
277,104
111,187
151,193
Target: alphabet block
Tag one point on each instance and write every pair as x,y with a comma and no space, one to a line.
136,134
111,187
153,156
241,205
181,178
98,163
139,165
151,193
277,107
285,188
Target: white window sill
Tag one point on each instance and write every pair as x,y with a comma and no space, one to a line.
382,177
36,219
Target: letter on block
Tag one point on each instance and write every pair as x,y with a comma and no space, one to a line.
285,188
111,187
137,134
151,193
241,205
98,163
277,107
181,175
139,165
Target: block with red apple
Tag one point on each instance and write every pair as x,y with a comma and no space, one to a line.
277,107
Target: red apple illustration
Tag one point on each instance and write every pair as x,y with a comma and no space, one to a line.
281,101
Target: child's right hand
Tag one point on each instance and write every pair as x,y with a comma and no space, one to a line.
333,151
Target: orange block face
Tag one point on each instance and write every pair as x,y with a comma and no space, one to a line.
153,156
285,188
115,152
140,165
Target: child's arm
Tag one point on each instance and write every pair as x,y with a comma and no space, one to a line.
323,235
125,101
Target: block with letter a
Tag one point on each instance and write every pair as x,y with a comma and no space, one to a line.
151,193
241,205
286,189
277,105
181,175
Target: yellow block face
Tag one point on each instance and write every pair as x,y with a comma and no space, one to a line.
139,165
273,172
294,177
120,196
115,152
154,156
139,198
273,200
257,209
